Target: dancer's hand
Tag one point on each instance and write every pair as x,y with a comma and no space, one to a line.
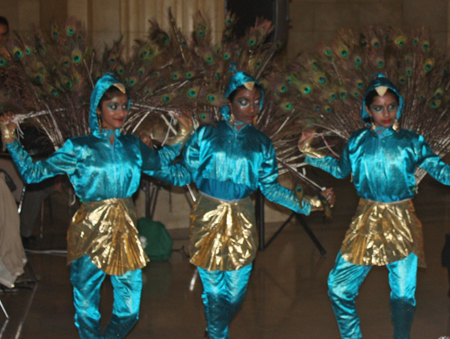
8,127
184,118
329,195
306,138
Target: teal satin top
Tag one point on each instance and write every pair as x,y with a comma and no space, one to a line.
383,163
228,164
96,169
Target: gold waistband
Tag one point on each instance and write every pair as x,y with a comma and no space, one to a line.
382,233
222,234
106,231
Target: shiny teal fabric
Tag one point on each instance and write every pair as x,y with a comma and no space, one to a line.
223,293
383,162
344,282
96,169
228,164
87,279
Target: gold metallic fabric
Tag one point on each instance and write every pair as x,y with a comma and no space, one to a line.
382,233
222,234
106,231
310,151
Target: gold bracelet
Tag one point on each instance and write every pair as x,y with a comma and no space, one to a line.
182,136
310,151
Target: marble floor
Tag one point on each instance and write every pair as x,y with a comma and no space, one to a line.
287,294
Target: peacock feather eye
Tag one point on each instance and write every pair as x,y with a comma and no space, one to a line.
189,75
38,78
226,56
167,98
359,83
156,74
426,46
70,30
317,108
439,93
375,42
193,92
320,78
2,62
400,41
203,116
429,64
344,52
141,71
112,60
68,84
355,93
409,71
379,62
55,35
228,22
306,89
212,98
251,42
327,51
76,57
333,96
282,88
147,91
289,80
120,70
343,94
27,50
358,60
435,103
402,79
132,81
217,75
54,92
328,109
415,41
175,76
17,53
287,106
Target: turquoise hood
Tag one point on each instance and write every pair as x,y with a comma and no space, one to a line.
236,80
381,80
102,85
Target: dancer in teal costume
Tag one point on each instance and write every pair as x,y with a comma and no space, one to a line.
385,230
228,162
105,169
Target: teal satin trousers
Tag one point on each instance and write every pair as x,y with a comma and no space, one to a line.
223,293
345,280
86,279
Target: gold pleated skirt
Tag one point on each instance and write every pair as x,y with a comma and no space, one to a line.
382,233
106,232
222,234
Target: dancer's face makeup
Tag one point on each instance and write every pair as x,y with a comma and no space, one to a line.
114,111
383,110
245,105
